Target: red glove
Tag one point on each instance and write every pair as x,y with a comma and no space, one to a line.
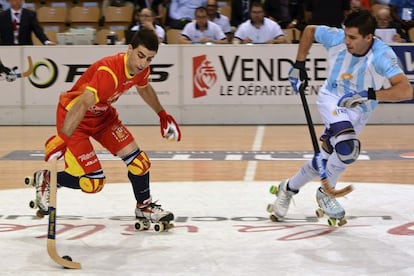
55,147
169,127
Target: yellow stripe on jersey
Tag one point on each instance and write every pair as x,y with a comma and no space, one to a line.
109,70
72,102
94,91
127,74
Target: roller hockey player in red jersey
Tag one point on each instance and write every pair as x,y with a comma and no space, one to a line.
86,111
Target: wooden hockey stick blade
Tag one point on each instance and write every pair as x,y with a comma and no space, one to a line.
29,71
51,232
334,192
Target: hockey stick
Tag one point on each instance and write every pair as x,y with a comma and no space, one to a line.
11,75
321,168
29,70
64,261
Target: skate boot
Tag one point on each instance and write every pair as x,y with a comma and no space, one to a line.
150,212
40,181
331,207
282,202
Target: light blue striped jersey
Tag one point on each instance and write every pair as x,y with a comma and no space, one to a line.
349,73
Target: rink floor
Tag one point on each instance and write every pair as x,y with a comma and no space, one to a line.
221,228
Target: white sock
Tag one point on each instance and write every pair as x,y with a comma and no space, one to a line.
304,175
334,169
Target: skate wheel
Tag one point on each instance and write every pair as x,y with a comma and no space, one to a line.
142,225
39,214
32,204
29,181
342,222
331,221
269,208
273,189
159,227
319,212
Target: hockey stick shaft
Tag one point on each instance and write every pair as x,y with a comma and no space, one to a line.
317,152
29,70
51,232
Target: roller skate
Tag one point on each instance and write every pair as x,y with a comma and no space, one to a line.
280,207
150,212
40,180
331,207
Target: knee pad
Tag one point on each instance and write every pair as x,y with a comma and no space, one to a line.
347,147
140,165
91,185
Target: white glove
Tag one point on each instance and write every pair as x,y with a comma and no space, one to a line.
353,99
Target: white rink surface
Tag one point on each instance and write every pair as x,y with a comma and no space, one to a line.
222,229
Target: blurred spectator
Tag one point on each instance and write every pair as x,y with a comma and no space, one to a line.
356,5
202,30
259,29
362,4
240,11
218,18
287,13
146,20
278,10
297,14
182,12
387,30
402,11
158,7
326,12
4,5
382,2
17,25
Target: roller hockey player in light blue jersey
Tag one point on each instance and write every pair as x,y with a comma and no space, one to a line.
361,71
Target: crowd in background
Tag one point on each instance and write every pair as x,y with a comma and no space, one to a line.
255,21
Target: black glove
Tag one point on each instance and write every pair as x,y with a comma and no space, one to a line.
298,76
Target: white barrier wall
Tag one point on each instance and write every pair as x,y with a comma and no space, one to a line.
198,84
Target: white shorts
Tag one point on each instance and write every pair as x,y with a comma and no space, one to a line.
331,113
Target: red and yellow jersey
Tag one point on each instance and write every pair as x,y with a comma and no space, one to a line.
108,78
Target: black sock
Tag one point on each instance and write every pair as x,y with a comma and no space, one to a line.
67,180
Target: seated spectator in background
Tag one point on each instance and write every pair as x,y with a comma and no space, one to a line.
297,14
259,29
182,12
218,18
158,7
361,4
278,11
202,30
146,20
4,5
387,30
402,11
240,11
17,25
287,13
326,12
356,5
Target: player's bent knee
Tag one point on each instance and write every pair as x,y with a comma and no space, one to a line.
347,147
140,165
91,185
